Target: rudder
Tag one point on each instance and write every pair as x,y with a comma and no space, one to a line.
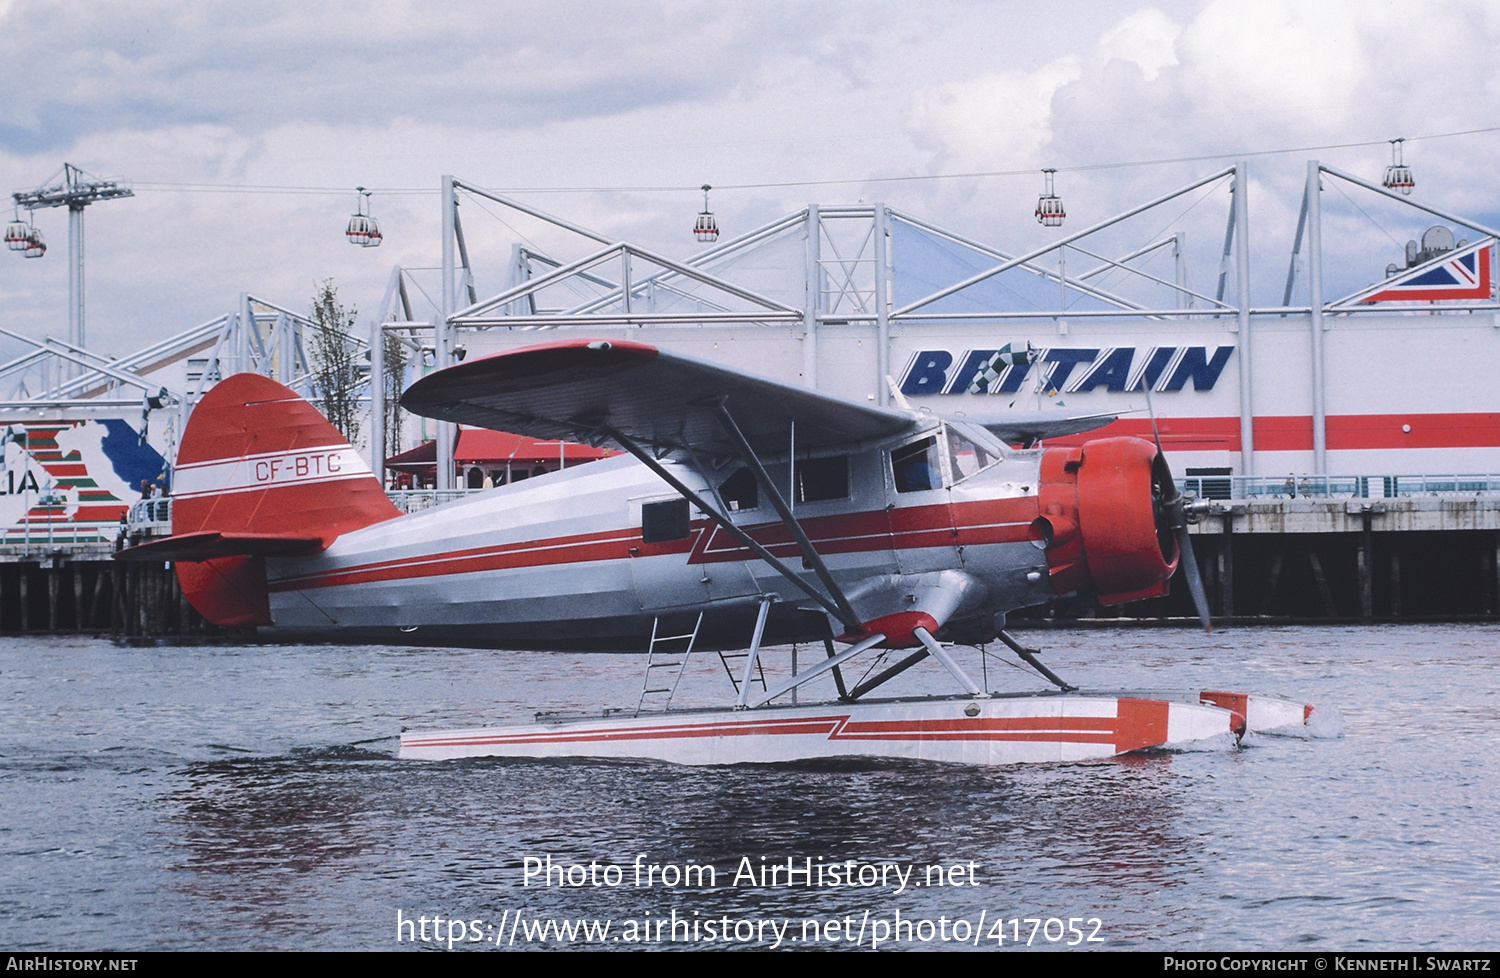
256,458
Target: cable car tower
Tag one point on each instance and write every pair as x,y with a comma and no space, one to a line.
75,193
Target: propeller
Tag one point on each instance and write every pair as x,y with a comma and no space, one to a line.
1172,515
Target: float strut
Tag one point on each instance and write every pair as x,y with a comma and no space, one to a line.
886,675
1029,655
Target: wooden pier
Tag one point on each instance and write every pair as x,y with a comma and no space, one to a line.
1431,558
83,589
1343,559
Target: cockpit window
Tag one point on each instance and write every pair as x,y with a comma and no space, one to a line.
915,466
966,456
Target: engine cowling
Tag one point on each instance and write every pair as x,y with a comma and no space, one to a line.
1103,520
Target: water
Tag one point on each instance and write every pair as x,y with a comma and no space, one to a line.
249,798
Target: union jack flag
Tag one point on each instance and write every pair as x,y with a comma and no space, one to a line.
1462,274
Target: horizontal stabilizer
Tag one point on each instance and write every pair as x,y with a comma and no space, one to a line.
208,544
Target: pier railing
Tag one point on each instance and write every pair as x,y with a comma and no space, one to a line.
153,517
1338,486
416,500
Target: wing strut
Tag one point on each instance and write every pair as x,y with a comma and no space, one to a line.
809,553
852,622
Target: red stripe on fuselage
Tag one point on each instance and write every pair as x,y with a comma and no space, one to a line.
580,548
993,521
905,528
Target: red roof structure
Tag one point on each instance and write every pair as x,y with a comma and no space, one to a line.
481,446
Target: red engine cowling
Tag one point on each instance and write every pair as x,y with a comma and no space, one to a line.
1102,520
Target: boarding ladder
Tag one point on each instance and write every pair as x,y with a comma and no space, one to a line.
662,654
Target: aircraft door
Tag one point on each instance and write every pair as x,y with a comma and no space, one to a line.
919,509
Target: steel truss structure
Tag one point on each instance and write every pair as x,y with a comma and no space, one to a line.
847,278
58,380
1310,220
837,269
842,274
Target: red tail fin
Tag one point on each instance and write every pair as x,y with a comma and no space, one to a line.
256,458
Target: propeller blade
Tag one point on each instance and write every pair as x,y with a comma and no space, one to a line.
1151,410
1174,502
1194,580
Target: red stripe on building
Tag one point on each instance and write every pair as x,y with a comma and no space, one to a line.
1294,432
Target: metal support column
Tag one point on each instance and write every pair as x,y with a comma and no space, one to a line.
443,354
243,347
1179,264
377,401
1315,299
75,279
814,298
882,308
1242,287
286,349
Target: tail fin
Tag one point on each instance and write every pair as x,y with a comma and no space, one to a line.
255,461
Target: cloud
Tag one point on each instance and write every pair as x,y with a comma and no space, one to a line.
390,95
992,121
1147,39
101,67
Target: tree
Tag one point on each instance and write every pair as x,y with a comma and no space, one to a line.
395,382
336,374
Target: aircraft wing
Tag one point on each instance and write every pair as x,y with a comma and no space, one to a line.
569,389
1029,428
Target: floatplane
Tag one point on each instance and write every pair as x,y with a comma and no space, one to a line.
743,513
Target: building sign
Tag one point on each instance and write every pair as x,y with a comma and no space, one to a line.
1064,369
71,481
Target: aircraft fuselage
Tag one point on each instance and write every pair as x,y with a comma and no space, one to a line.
588,557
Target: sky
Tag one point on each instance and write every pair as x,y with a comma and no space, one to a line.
243,129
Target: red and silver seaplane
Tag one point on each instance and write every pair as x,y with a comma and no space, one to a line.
748,511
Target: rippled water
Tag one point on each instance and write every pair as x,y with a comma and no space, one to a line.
212,797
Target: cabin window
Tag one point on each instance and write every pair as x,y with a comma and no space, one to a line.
915,466
664,521
740,491
823,478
